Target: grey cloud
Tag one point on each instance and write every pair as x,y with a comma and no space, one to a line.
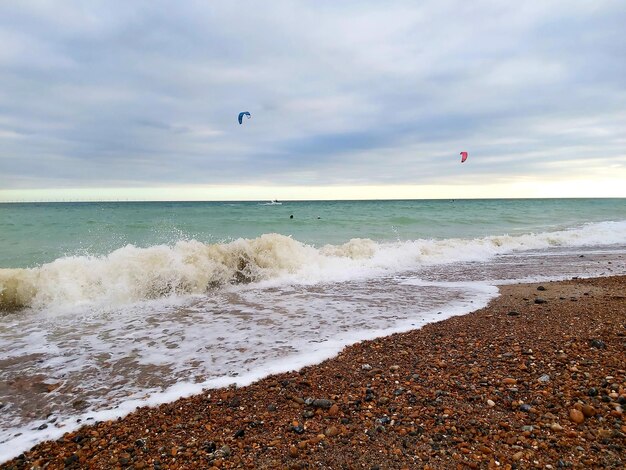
357,92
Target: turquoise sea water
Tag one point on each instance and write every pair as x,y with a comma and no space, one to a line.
32,234
118,305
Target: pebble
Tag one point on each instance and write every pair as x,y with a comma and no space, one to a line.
540,300
513,313
588,411
491,403
544,378
297,429
384,420
576,416
322,403
525,407
598,344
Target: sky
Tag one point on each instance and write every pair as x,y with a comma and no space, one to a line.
116,100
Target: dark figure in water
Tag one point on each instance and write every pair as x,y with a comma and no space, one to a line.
291,216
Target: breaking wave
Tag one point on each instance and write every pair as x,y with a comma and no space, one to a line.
132,274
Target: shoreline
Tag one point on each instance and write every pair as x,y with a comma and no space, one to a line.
489,386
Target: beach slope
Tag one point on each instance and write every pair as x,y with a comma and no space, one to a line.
534,379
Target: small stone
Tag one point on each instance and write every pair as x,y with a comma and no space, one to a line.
42,427
598,344
513,313
271,407
333,410
540,300
544,378
589,411
394,368
240,433
331,431
509,381
576,416
297,429
525,407
491,403
322,403
366,367
556,427
293,452
541,288
592,392
384,420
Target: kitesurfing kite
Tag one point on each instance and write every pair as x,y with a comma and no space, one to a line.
242,114
463,154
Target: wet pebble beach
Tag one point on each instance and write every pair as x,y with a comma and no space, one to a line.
536,379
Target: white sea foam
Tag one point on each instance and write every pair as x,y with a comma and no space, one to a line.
132,274
330,323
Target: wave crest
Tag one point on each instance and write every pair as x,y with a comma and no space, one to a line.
132,274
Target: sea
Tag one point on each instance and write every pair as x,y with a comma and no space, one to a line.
105,307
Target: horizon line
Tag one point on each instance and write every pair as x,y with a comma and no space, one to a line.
512,198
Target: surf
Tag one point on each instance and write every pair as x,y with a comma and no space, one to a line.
189,267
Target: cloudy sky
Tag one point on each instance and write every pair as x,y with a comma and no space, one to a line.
139,100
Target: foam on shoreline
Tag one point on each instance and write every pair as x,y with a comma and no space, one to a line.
25,437
132,274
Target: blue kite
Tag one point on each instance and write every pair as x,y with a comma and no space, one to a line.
242,114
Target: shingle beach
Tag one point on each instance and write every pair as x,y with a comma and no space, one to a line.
535,380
